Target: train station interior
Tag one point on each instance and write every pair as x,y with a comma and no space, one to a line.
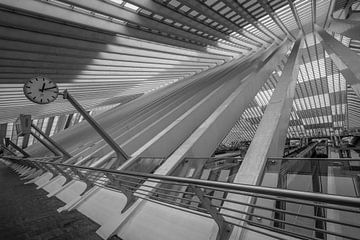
179,119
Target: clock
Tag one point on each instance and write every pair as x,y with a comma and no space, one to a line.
41,90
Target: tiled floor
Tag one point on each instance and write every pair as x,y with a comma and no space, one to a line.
26,213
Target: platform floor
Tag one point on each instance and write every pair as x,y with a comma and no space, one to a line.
26,213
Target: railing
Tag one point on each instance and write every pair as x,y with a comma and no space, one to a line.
324,216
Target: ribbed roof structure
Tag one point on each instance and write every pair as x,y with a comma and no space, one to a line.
108,52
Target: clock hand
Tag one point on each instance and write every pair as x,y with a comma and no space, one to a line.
49,88
43,87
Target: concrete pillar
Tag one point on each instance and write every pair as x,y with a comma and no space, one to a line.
269,139
346,60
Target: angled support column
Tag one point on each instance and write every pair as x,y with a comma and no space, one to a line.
207,135
204,140
121,155
19,149
53,150
346,60
269,139
65,154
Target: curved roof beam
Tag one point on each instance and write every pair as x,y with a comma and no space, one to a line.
82,19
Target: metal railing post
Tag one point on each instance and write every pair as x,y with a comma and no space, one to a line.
49,169
120,154
130,198
224,228
83,178
62,172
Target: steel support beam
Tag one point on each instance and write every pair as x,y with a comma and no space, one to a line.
94,59
90,67
41,42
53,143
204,140
121,155
118,12
17,20
270,136
45,144
174,15
102,65
235,6
19,149
224,21
82,19
222,118
265,5
346,60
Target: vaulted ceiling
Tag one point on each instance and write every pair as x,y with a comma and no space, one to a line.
108,52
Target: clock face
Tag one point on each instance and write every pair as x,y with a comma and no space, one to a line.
41,90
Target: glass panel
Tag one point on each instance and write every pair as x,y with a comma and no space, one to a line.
321,175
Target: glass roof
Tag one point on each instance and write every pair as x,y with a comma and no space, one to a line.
129,48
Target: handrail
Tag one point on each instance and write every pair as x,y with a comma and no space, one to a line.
209,199
315,159
309,196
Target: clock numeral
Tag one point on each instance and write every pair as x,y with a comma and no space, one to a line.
40,100
52,97
29,92
27,87
34,98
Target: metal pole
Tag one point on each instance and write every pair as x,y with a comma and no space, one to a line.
307,196
7,149
44,143
121,155
57,146
8,141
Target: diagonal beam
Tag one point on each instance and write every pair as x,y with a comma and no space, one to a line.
204,140
296,16
270,136
346,60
